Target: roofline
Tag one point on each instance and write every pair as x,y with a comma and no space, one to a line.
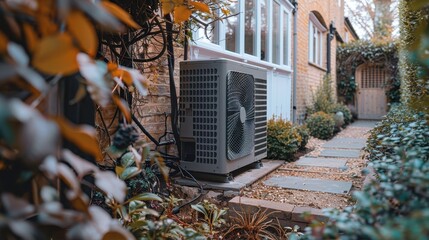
350,27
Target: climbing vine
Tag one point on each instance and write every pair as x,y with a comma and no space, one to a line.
352,55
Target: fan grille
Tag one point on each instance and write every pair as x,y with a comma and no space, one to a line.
240,114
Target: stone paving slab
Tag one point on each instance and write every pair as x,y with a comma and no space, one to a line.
240,181
344,144
321,162
311,184
364,123
340,153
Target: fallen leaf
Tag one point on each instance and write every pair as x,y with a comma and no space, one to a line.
56,54
83,31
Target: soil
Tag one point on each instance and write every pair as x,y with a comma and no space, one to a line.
320,200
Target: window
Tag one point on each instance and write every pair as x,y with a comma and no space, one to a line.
316,41
276,33
255,29
232,28
250,27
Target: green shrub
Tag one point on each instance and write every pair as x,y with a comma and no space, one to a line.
345,110
321,125
283,139
323,98
304,134
396,205
399,114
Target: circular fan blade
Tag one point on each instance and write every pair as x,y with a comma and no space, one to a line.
236,139
250,113
232,122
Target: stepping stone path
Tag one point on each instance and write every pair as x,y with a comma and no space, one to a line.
331,156
311,184
321,162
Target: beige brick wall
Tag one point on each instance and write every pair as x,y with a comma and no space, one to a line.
310,76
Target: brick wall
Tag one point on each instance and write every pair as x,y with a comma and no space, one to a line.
308,75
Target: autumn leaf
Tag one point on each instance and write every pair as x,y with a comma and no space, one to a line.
201,6
82,136
56,55
123,107
167,6
120,13
30,36
181,14
83,31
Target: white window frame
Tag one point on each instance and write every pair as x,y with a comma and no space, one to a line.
285,7
316,33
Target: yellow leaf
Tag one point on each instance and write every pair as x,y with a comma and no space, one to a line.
45,25
201,6
120,13
83,31
167,6
30,36
123,107
181,14
82,137
123,75
56,54
119,170
225,11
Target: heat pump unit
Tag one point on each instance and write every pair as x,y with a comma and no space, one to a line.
223,115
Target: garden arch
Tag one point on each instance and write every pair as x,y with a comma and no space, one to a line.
371,98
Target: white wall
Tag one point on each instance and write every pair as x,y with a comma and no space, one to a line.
279,95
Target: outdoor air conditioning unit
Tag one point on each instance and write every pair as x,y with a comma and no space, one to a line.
223,115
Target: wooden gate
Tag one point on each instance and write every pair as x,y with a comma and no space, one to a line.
371,99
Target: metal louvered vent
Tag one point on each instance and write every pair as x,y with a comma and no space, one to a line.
240,114
199,87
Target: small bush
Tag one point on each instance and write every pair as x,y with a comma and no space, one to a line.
304,134
345,110
283,139
323,98
321,125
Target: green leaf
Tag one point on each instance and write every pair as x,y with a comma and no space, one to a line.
129,173
146,197
127,160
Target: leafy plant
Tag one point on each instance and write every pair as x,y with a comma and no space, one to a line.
323,98
321,125
345,110
212,218
253,226
304,135
283,139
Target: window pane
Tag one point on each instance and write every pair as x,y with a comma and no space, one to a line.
264,30
211,35
276,33
232,28
314,45
250,27
285,38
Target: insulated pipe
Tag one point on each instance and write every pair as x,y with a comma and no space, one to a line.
295,47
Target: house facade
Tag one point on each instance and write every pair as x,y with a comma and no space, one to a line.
294,40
